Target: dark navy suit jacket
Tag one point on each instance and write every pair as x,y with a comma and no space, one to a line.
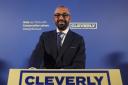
70,56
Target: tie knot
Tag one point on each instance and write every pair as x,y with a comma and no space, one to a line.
60,34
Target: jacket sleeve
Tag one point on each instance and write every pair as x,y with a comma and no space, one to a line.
37,57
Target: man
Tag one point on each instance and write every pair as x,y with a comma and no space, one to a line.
60,48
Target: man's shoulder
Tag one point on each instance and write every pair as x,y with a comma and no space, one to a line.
48,33
76,35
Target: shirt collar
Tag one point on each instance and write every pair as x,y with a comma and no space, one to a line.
65,31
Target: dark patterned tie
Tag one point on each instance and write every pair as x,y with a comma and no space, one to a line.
60,36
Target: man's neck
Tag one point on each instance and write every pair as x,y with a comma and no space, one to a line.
64,31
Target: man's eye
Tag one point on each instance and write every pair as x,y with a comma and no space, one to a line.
63,15
57,15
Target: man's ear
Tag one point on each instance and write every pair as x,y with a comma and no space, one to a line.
70,18
53,18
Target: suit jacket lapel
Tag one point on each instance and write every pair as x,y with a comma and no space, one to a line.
66,43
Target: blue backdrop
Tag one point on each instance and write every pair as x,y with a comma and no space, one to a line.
106,47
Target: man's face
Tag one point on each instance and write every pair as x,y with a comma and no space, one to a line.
62,18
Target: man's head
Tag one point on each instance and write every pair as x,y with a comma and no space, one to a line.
62,17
